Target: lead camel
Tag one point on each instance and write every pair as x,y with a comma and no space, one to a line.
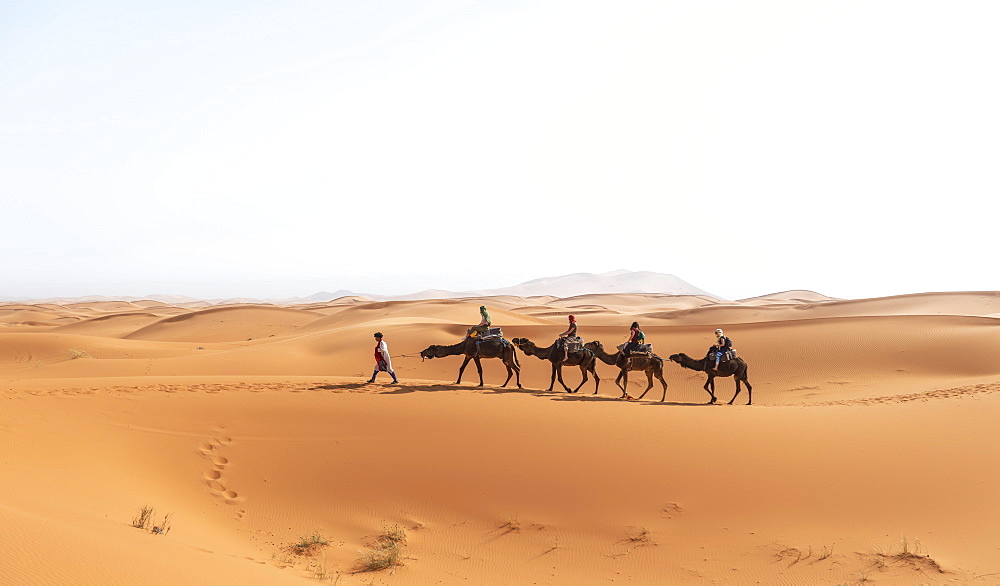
474,350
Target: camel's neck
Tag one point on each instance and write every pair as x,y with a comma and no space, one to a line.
688,362
454,349
533,350
606,358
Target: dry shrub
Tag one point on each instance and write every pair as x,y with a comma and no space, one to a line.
387,552
309,545
144,518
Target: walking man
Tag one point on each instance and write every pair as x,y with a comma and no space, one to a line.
382,361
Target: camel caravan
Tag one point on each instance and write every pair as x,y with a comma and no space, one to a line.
486,341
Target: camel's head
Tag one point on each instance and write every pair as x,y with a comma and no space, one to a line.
678,358
520,341
595,345
430,352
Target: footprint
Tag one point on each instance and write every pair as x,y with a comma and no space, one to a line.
213,477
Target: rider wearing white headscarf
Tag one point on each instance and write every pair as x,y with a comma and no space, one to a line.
722,345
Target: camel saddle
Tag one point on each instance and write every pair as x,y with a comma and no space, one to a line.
571,343
640,349
726,356
490,334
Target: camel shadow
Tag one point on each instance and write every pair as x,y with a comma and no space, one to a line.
582,398
340,387
389,388
676,404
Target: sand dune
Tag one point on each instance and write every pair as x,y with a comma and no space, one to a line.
866,457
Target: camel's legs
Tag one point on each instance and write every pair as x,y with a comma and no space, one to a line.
510,373
512,364
749,391
479,367
556,372
624,377
462,369
710,388
737,392
561,381
649,379
597,379
583,371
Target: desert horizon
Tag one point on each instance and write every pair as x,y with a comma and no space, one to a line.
865,456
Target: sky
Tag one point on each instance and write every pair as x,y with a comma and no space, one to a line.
276,149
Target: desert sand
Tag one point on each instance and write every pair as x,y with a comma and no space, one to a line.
869,454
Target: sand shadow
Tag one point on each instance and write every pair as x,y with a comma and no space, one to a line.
675,404
340,387
389,388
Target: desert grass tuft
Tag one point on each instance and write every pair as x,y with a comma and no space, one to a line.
322,572
387,552
74,354
164,527
309,545
909,554
511,526
144,518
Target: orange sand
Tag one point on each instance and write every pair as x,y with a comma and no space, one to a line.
868,456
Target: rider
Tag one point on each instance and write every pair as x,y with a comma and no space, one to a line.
564,337
722,345
484,323
635,338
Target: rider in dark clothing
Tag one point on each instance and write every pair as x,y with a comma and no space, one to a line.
722,346
635,338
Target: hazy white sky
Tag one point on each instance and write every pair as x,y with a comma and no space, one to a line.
274,149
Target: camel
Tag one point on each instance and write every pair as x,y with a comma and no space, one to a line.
735,368
474,350
651,365
554,354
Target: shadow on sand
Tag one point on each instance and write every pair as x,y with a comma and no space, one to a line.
389,388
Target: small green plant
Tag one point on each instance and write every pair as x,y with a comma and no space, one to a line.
386,553
144,518
309,545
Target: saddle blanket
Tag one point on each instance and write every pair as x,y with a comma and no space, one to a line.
490,334
571,343
726,356
640,349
